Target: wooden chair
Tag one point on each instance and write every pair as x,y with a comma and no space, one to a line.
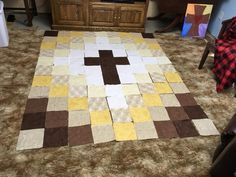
210,46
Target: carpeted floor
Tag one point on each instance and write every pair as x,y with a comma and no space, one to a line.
174,158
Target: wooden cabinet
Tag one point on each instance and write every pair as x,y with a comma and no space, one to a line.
94,14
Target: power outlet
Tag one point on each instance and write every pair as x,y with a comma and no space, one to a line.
221,15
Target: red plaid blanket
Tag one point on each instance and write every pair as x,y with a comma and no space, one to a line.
225,58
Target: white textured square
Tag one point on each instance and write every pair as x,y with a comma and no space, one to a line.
205,127
30,139
92,80
61,61
138,68
76,61
76,53
127,78
102,40
163,60
91,53
93,70
76,69
113,90
150,60
88,46
119,53
135,60
117,102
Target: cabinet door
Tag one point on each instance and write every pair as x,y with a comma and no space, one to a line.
69,12
131,16
102,15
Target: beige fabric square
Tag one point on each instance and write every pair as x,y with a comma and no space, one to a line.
167,68
158,53
130,89
121,115
179,88
57,104
78,118
157,77
39,92
61,53
103,133
42,70
147,88
158,113
153,68
46,53
97,104
169,100
45,61
205,127
145,130
77,80
145,53
96,91
60,70
143,78
62,45
30,139
60,79
78,91
134,101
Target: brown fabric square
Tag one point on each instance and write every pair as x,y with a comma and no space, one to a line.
147,35
121,61
177,113
36,105
165,129
90,61
195,112
185,128
50,33
33,121
80,135
105,53
54,137
56,119
186,99
110,75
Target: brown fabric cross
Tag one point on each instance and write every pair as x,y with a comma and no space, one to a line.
108,65
196,19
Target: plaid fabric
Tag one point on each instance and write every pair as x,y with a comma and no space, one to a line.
225,58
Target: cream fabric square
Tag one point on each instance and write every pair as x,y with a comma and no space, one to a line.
39,92
60,70
147,88
205,127
158,113
77,80
96,91
103,133
179,88
30,139
130,89
121,115
169,100
153,68
145,130
57,104
142,78
79,118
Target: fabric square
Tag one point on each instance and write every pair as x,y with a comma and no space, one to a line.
30,139
166,129
46,53
173,77
58,91
60,70
152,100
177,113
62,45
59,80
130,46
186,99
147,35
102,134
167,68
150,60
78,103
157,77
145,130
146,88
153,68
40,81
179,88
135,60
43,70
45,61
124,131
97,104
154,46
169,100
185,128
77,80
57,104
61,53
140,114
76,45
64,39
161,59
78,91
113,90
163,87
141,46
205,127
36,105
134,101
143,78
130,89
56,119
55,137
79,118
121,115
195,112
114,40
138,68
91,53
117,102
100,117
39,92
145,53
119,53
96,91
51,33
33,121
158,113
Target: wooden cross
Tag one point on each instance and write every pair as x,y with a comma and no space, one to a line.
196,19
108,65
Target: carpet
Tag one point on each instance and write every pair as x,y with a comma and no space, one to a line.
96,87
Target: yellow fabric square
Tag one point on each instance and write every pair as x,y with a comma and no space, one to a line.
64,39
96,91
145,53
60,70
78,103
61,53
124,35
77,80
58,91
76,34
48,45
173,77
41,81
77,46
163,87
152,100
129,46
100,117
140,114
45,61
130,89
154,46
124,131
138,40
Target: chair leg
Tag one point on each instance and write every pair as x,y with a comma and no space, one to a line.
34,8
28,13
204,57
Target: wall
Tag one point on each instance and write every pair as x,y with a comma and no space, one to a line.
224,10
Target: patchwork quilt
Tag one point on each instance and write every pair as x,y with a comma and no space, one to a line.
96,87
